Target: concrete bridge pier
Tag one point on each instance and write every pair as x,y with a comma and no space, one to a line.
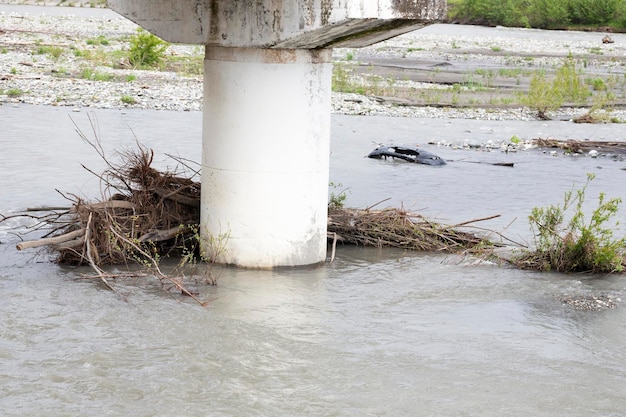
266,122
265,155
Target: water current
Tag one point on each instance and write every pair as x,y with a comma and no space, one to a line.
377,332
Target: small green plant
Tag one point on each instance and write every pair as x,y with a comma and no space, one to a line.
130,78
54,51
92,75
146,50
336,200
214,247
510,72
100,40
14,92
126,99
13,70
597,84
576,245
192,258
596,50
342,80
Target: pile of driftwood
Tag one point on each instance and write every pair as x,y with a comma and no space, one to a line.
582,146
147,213
400,229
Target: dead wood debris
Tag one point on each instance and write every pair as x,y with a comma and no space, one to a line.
400,229
159,210
581,146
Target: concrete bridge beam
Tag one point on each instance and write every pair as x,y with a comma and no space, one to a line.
305,24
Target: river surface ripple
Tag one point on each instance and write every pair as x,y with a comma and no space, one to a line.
376,333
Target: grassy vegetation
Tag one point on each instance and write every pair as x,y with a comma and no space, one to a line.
128,100
91,74
547,14
100,40
14,92
568,86
542,87
54,51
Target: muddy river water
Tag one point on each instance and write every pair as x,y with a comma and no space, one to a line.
375,333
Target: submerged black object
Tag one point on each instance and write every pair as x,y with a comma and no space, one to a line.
415,155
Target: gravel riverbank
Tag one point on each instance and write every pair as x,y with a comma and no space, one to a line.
78,60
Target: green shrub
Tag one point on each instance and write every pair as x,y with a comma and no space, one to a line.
593,12
575,246
548,13
542,96
491,12
146,49
545,96
539,13
568,82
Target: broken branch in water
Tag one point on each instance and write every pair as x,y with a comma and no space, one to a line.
51,240
476,221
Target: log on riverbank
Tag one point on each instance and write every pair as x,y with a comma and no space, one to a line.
582,146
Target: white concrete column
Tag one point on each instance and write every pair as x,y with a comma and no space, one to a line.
265,158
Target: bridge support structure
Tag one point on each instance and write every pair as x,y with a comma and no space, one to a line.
266,113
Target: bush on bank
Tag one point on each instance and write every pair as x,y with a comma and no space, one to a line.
545,14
